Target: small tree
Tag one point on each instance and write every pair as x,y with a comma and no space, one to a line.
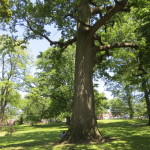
118,108
56,73
13,59
101,103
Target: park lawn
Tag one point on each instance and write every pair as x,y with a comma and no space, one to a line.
125,135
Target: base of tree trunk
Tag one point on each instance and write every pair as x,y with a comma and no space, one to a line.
81,137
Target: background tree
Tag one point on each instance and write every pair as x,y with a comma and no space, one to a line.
13,60
118,108
125,93
54,84
34,106
56,73
101,103
140,109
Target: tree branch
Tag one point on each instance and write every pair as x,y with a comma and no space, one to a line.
116,45
67,43
118,7
61,44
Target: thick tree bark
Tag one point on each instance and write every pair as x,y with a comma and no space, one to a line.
83,126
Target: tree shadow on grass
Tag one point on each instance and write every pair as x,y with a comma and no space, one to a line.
29,140
41,135
131,134
128,135
77,147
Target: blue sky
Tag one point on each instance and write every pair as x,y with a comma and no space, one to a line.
37,46
41,45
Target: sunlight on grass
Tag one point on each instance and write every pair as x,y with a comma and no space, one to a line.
126,135
2,133
116,145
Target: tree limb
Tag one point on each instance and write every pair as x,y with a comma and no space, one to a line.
61,44
118,7
116,45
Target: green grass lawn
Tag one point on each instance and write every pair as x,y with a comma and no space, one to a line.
126,135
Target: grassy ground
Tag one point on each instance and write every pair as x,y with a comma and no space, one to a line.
126,135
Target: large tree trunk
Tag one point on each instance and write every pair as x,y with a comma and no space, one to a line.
83,126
